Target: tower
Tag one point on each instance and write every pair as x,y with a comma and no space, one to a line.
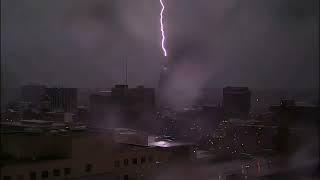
162,84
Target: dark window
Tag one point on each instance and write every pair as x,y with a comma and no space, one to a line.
33,176
20,177
116,163
150,159
143,160
56,172
125,177
135,161
67,171
45,174
6,177
88,167
126,162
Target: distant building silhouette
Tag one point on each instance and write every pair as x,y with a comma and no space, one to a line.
236,102
47,99
290,114
33,94
62,99
123,107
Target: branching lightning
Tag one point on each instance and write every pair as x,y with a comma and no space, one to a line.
162,30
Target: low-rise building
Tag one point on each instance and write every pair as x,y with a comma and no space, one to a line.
114,153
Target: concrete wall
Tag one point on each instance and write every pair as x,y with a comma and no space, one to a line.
36,146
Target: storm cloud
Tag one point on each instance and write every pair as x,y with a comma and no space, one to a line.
84,43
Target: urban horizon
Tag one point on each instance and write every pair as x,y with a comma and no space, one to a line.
160,90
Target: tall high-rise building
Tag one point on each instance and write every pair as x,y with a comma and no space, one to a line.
162,91
62,99
236,102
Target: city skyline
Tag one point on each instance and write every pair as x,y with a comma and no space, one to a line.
160,89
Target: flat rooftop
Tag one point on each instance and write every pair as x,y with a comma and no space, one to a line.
166,143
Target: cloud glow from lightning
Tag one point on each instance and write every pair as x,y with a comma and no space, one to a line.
162,29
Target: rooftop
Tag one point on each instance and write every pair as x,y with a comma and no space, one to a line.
152,142
33,121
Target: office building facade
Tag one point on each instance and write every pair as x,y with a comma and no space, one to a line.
62,99
33,94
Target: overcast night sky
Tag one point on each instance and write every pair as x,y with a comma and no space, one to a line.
83,43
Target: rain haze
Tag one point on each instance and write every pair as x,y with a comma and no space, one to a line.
269,44
159,89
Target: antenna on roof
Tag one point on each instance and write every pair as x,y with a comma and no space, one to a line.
126,72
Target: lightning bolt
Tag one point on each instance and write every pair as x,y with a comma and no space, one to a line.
162,30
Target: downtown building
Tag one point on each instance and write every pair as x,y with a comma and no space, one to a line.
62,99
236,102
45,103
86,154
38,101
123,107
49,98
33,94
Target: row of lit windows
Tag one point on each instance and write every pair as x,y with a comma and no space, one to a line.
45,174
134,161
